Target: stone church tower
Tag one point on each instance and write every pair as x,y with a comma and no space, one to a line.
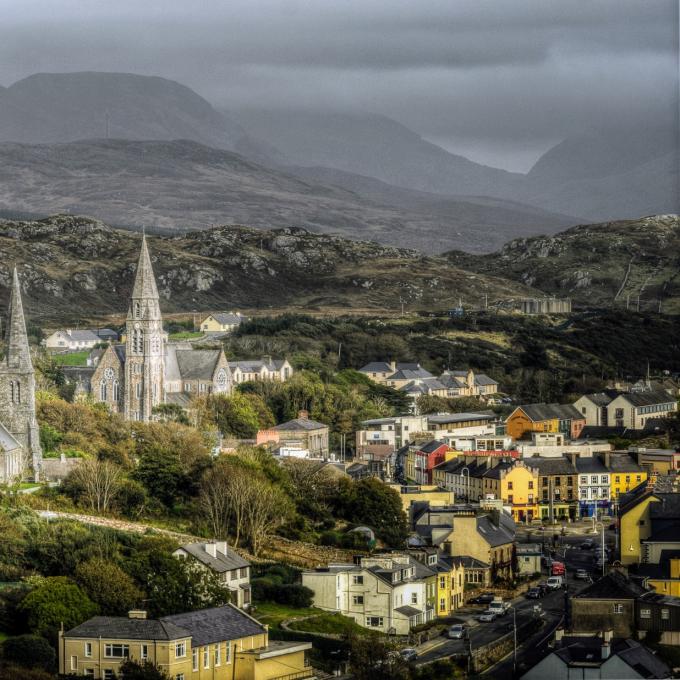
17,384
144,347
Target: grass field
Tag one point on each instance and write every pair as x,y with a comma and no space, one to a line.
72,358
320,621
185,335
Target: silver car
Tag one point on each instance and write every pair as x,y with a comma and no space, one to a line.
487,616
457,631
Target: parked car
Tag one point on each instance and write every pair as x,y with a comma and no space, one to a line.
408,654
487,616
587,544
543,587
457,631
534,593
555,582
499,607
582,574
484,598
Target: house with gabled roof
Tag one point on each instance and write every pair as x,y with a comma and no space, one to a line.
222,322
301,433
530,418
221,643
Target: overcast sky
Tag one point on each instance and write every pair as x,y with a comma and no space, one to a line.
499,81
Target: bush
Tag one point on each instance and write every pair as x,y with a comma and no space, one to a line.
30,651
294,595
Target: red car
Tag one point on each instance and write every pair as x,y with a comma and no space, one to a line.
557,569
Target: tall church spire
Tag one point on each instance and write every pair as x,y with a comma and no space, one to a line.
145,283
18,354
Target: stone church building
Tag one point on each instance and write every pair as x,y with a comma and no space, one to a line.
20,452
135,377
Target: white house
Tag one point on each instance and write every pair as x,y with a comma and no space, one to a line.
385,593
70,339
266,368
594,485
632,410
232,570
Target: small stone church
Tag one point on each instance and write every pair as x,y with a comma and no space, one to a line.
20,452
147,370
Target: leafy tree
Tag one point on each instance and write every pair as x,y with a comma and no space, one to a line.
108,586
173,413
373,658
95,483
29,651
371,502
146,670
161,473
240,415
132,498
55,601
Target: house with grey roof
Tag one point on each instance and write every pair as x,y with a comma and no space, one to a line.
277,370
380,371
467,383
633,410
384,593
222,322
220,643
232,570
301,433
71,339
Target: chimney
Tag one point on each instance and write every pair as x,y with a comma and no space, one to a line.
393,366
303,415
211,549
606,650
136,614
559,634
221,547
573,455
607,458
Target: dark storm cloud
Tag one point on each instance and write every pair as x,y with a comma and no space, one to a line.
508,74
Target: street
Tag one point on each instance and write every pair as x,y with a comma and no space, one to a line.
553,605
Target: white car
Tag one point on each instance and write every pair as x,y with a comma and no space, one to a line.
555,582
487,616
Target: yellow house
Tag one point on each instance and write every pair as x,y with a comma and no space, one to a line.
221,322
634,523
670,583
430,493
222,643
450,585
519,489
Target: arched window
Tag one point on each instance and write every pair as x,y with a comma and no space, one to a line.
18,388
102,391
137,310
116,391
11,391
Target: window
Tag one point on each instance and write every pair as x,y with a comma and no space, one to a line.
442,582
139,390
218,655
627,479
102,391
116,391
531,485
112,651
227,652
180,649
358,580
603,479
194,659
179,676
144,651
531,498
665,614
243,573
374,621
88,672
638,478
584,480
442,604
557,481
414,598
206,657
509,486
645,613
593,479
618,609
510,498
107,674
88,649
74,663
357,599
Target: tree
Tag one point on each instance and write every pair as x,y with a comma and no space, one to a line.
374,658
133,670
98,483
240,415
30,651
266,509
55,601
108,586
161,473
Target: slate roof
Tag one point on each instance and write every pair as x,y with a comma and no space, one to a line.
407,610
376,367
668,507
445,418
227,318
613,585
600,398
82,335
124,628
647,398
432,446
221,562
551,466
299,424
472,562
410,374
256,365
590,465
540,412
197,364
496,535
642,660
78,373
207,626
623,462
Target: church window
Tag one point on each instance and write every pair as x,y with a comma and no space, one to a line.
102,391
15,392
139,390
116,391
137,310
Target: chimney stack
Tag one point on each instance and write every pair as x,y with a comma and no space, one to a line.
221,547
211,549
303,415
393,366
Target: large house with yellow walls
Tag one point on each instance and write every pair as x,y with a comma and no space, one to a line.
624,473
519,489
222,643
529,418
450,579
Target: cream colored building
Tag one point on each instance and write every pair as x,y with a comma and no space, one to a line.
222,643
222,322
266,368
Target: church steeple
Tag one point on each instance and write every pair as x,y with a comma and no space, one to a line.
145,283
18,353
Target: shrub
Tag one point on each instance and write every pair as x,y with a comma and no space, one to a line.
294,595
30,651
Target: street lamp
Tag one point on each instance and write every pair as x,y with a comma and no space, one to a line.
467,485
602,553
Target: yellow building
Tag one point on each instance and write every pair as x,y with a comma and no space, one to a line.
221,322
669,583
519,489
450,585
634,523
431,493
219,643
625,474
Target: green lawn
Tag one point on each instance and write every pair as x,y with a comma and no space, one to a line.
273,614
322,622
185,335
72,358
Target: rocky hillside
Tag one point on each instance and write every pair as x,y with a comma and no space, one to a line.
78,268
601,265
181,185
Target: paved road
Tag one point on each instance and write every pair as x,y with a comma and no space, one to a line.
554,607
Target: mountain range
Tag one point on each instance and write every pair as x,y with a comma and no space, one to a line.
361,175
